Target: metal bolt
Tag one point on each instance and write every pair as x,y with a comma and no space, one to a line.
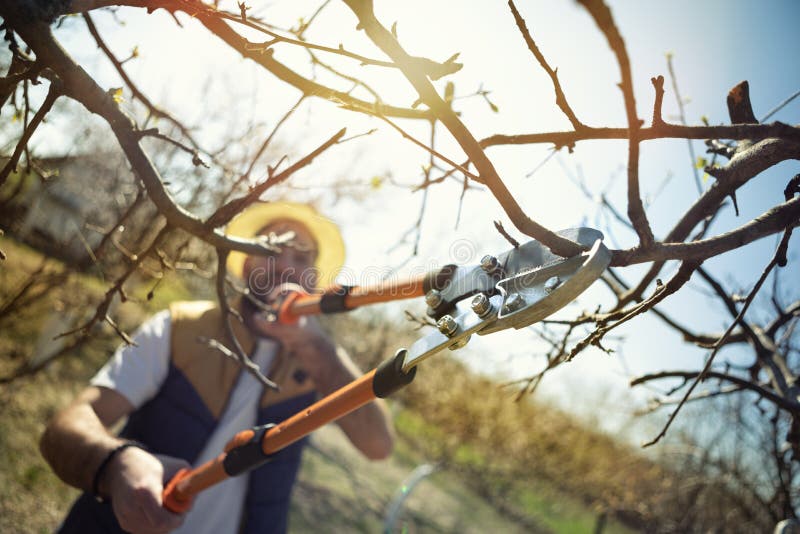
552,283
481,305
433,298
447,325
513,303
489,264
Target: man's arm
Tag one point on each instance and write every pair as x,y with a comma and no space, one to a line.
76,442
368,428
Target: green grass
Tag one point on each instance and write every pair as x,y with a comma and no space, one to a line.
544,504
474,491
32,499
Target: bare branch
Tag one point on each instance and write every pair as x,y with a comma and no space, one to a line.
770,222
503,232
665,131
238,354
79,86
153,132
269,138
741,384
682,115
306,86
226,212
746,164
52,95
780,252
154,110
678,280
602,17
658,85
387,42
425,147
561,100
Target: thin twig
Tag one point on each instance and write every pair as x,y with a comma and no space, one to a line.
499,227
430,150
561,100
779,107
741,384
229,210
53,93
682,115
153,132
269,138
780,252
676,282
238,354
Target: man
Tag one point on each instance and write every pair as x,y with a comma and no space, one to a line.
184,400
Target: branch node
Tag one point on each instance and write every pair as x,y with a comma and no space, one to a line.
658,85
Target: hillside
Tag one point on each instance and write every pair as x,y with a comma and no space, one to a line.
500,466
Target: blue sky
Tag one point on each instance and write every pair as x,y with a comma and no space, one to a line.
714,45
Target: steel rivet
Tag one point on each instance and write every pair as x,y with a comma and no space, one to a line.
433,298
513,303
481,305
447,325
489,263
551,284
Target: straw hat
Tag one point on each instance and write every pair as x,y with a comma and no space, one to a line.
330,255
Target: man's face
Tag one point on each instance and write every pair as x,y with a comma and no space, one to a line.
294,264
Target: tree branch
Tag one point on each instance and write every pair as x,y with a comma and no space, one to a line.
226,212
682,115
384,39
561,99
770,222
664,131
81,87
786,404
602,17
780,252
53,93
238,354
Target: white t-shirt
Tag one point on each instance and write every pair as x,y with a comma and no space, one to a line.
137,372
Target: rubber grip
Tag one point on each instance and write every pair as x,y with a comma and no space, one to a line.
389,376
333,300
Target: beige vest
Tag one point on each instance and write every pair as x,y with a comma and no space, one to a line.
211,373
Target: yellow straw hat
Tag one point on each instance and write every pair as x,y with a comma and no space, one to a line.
330,256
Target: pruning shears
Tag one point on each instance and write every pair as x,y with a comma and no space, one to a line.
512,290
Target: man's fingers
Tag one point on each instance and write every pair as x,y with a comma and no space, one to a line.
158,518
171,465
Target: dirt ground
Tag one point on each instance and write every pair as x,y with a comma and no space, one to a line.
339,489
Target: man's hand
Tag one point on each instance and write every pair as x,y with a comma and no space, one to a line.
369,427
306,340
134,480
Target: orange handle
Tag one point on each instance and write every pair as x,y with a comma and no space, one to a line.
187,483
249,449
173,499
296,304
336,405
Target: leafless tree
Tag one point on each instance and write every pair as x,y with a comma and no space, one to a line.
741,151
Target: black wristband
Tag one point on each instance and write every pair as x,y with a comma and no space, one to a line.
107,460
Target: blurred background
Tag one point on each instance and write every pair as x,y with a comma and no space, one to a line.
473,453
